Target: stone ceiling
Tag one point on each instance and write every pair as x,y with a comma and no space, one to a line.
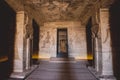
58,10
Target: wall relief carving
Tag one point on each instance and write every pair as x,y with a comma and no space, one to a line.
45,39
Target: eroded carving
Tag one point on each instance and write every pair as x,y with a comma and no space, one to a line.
45,39
95,31
107,35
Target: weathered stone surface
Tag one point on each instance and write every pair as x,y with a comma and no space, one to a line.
107,66
54,14
18,59
59,10
16,5
76,39
22,42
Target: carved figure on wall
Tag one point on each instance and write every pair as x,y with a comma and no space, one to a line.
45,39
107,35
26,25
48,37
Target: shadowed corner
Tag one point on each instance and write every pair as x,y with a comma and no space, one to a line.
36,31
115,38
90,54
7,34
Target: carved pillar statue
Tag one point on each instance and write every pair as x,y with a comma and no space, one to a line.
97,46
107,64
28,38
94,31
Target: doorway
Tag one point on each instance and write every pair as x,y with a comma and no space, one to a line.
62,43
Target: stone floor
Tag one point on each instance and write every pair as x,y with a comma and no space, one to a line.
61,71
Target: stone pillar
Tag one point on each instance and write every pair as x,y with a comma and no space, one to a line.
18,55
97,55
95,58
28,56
107,64
22,49
93,51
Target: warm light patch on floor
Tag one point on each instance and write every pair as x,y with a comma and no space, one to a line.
89,57
3,58
37,56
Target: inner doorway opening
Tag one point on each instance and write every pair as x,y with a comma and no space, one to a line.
90,43
36,32
62,43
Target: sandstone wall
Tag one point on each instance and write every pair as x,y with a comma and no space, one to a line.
76,39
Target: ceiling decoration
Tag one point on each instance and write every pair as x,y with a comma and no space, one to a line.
59,10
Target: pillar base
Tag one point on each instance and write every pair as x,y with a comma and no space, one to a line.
106,77
22,75
99,76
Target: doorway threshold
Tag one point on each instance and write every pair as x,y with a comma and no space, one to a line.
62,60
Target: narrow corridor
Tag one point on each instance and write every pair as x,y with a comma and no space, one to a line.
61,71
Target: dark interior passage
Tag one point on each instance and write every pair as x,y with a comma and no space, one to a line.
89,39
35,37
115,36
35,40
7,36
62,50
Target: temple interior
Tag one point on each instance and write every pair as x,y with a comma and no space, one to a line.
39,36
